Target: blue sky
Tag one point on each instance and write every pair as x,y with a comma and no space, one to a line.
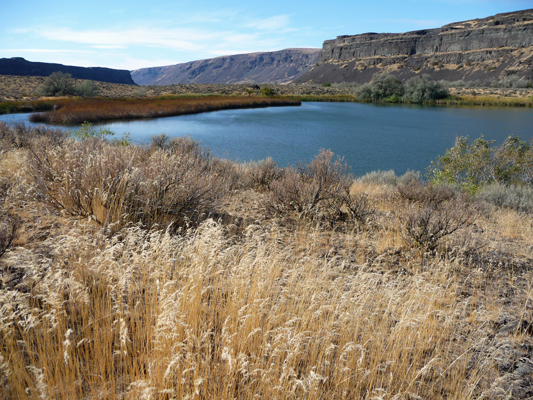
138,34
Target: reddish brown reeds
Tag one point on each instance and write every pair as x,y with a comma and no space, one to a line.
97,110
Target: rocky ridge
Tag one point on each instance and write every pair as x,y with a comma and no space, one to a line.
480,49
20,67
282,66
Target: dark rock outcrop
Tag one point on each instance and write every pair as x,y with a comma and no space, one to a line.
485,49
21,67
278,66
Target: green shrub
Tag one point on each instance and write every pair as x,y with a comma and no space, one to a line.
422,88
478,164
267,91
364,92
382,86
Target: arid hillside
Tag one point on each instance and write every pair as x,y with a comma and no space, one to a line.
282,66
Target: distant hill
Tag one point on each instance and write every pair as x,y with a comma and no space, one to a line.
282,66
20,67
480,49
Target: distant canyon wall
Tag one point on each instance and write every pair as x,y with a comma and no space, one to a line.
20,67
484,49
282,66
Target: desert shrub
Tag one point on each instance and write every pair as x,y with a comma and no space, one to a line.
193,149
57,84
425,226
8,222
462,84
510,81
18,135
422,88
316,191
478,164
518,198
389,178
382,86
260,174
228,172
416,191
86,89
9,225
359,208
159,141
116,184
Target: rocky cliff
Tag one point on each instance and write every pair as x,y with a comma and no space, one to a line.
278,66
487,48
21,67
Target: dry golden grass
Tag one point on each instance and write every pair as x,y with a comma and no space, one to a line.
244,306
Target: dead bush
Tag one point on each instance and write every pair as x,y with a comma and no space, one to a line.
426,225
359,208
415,191
9,225
316,191
259,175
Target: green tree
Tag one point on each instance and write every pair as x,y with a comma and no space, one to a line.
57,84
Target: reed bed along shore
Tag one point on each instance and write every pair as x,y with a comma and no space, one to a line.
160,272
98,110
485,100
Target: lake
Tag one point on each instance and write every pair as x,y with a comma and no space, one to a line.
369,137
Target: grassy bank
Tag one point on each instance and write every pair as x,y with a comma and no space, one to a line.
162,272
491,101
98,110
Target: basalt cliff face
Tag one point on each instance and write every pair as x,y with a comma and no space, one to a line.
20,67
282,66
485,49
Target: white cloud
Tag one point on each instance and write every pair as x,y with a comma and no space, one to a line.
18,51
155,42
276,23
177,39
108,47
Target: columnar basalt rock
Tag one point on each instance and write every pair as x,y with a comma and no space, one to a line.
487,48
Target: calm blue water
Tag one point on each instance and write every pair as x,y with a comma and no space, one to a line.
369,137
